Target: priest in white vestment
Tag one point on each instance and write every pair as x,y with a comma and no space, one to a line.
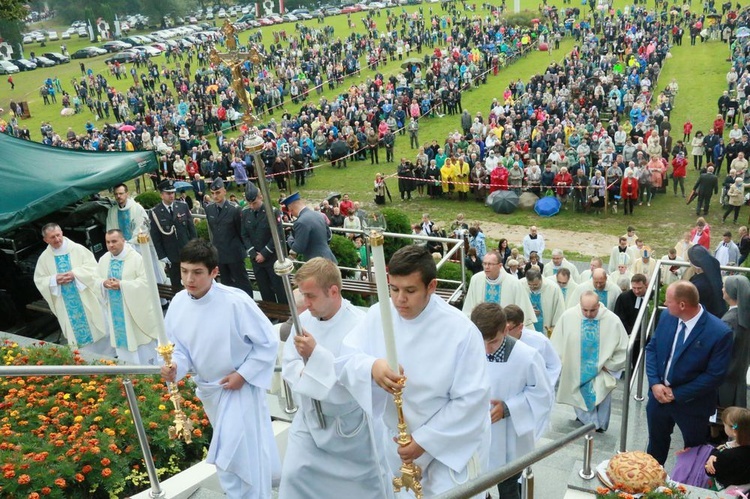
130,217
540,342
446,396
566,284
622,272
619,255
346,458
596,263
671,273
495,285
644,265
606,290
521,397
560,262
66,275
592,345
220,334
129,312
546,299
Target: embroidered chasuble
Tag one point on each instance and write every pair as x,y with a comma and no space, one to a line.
73,303
117,305
589,360
536,302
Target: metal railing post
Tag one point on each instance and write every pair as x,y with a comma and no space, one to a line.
289,406
588,449
463,267
640,365
156,490
527,483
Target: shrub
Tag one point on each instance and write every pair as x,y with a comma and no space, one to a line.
148,199
201,227
73,436
450,270
396,221
345,252
522,18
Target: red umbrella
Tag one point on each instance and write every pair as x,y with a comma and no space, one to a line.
535,21
126,128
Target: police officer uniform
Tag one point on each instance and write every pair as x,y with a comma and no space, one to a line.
171,228
257,238
224,221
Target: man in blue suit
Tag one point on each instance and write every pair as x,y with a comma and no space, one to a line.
311,232
686,361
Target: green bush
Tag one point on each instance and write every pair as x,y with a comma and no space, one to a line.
449,270
396,221
202,229
345,252
522,18
148,199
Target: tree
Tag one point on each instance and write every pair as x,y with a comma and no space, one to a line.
12,10
12,14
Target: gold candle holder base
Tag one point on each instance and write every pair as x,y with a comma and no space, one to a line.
183,427
411,474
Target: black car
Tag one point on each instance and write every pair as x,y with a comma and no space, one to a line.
121,57
83,53
57,57
24,64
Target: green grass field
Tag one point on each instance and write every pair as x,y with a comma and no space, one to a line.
699,70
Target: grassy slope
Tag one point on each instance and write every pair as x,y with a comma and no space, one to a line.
699,70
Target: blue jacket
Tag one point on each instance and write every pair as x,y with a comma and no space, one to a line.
698,367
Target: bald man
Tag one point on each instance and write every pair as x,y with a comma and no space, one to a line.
606,290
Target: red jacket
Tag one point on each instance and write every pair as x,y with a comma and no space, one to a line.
705,237
679,167
629,188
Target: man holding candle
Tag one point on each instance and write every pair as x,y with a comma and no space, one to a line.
233,357
446,393
346,458
129,314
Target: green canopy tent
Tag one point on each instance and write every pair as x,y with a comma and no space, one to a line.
36,180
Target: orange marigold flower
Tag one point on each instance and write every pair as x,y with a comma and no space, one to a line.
46,491
79,477
197,433
152,425
9,474
105,462
24,479
34,495
86,469
60,482
106,472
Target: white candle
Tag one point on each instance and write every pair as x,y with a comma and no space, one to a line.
384,299
148,262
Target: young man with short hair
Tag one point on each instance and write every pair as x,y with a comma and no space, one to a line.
220,334
521,396
446,396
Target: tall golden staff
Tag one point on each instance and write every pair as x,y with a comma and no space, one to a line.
411,473
253,144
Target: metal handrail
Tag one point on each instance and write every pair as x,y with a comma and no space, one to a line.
89,370
645,330
492,478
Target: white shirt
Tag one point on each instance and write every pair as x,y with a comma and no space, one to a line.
689,325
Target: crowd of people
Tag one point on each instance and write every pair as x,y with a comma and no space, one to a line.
560,334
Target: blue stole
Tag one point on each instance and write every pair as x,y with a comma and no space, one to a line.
589,360
123,220
564,292
73,303
602,296
492,292
555,269
536,302
117,306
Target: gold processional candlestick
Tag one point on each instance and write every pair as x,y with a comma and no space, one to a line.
183,427
411,473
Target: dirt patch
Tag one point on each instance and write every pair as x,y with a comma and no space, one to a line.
585,243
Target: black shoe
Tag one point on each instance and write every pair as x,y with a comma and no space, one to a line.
600,430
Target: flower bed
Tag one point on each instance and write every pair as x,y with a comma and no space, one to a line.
676,492
68,436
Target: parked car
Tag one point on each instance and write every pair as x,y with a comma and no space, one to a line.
246,17
65,35
28,39
24,64
7,67
87,52
116,46
265,22
148,50
290,18
43,62
121,57
57,57
52,35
